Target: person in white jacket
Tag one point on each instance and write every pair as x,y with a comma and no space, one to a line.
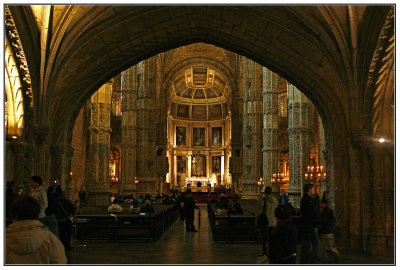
267,204
28,241
39,194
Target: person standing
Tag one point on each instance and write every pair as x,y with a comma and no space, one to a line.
310,213
82,197
40,195
11,196
283,239
180,203
327,229
28,241
267,205
188,209
64,212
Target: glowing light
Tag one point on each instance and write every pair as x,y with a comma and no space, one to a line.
381,140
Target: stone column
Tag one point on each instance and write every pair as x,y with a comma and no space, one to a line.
57,161
299,143
377,240
147,145
252,127
21,181
39,153
270,125
69,153
128,130
97,164
236,159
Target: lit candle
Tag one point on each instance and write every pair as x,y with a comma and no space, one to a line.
321,168
306,176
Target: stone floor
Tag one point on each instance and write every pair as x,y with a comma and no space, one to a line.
177,246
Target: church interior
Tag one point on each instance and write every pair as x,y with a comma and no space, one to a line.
136,100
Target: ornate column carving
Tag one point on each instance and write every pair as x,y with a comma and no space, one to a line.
40,151
236,159
377,240
341,211
97,174
299,142
21,181
252,125
147,144
270,132
130,82
57,163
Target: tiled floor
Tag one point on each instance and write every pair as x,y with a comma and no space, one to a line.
177,246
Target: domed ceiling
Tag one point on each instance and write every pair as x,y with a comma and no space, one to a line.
199,93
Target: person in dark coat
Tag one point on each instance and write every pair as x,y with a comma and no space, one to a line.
223,202
180,202
283,240
188,209
326,230
64,211
11,196
310,215
82,197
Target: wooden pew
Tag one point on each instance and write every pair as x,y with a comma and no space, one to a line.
232,227
129,226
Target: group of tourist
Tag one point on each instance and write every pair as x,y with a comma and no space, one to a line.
280,233
144,204
39,224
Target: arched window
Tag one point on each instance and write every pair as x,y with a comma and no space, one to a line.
14,109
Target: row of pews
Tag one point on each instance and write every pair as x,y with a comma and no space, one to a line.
97,224
231,228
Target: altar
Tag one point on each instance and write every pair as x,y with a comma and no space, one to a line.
203,181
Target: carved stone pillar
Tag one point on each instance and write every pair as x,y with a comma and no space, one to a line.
21,181
299,143
97,174
146,125
40,153
130,81
236,159
341,210
69,153
252,126
377,240
57,162
271,129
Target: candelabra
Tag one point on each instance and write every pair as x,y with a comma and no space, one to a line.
315,175
136,180
278,178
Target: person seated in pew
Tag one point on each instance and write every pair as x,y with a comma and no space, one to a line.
235,207
115,207
134,208
223,202
199,184
147,208
140,200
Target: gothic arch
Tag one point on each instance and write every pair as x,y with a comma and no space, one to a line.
314,48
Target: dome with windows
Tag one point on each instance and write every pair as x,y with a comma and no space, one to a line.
199,93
